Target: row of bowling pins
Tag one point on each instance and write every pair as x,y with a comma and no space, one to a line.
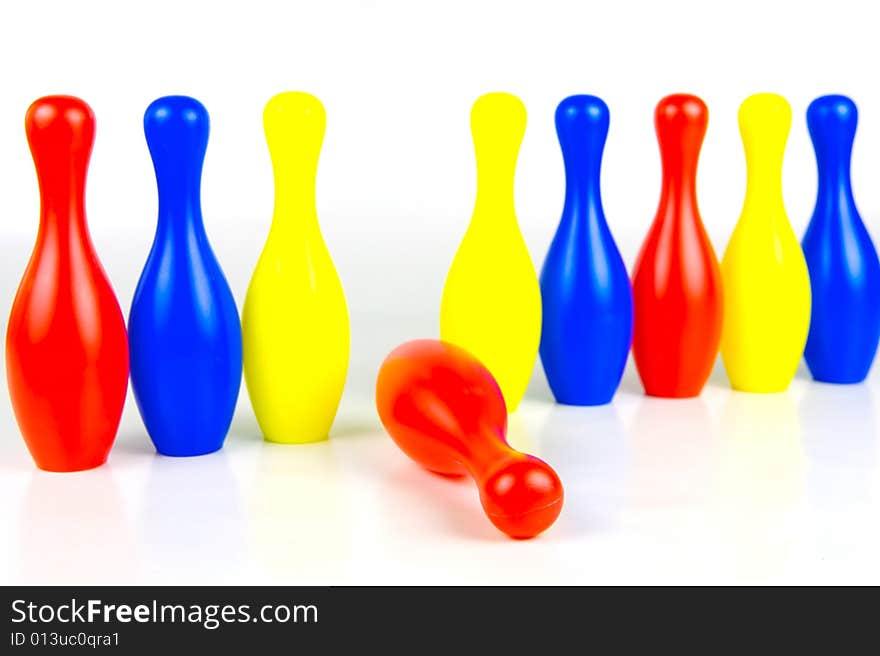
766,305
446,406
67,349
67,352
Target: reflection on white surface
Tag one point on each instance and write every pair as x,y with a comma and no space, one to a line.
297,518
590,451
728,488
421,505
839,436
760,481
672,444
762,458
72,528
191,516
840,440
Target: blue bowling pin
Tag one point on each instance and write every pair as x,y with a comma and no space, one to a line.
586,292
184,332
844,270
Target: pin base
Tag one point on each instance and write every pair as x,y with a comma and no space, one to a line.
188,453
769,389
71,467
584,402
661,394
276,439
841,380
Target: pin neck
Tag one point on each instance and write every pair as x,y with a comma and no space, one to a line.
764,189
295,209
583,197
485,450
679,155
495,195
295,172
180,205
835,187
62,201
679,193
178,157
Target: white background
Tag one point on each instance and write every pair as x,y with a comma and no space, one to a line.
726,488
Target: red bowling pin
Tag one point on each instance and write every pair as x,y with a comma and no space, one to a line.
677,280
66,347
445,411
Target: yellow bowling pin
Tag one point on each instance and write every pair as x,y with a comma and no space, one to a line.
766,283
491,302
295,320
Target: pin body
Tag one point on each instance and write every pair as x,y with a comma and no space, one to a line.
295,319
841,258
676,280
66,349
184,332
491,303
766,283
585,289
445,411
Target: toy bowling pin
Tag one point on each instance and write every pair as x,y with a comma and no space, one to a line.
843,265
295,320
676,280
491,302
66,350
766,283
184,333
587,298
445,411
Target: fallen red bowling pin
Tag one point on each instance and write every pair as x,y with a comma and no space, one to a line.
445,410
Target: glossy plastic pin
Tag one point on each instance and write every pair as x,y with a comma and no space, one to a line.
295,321
841,258
66,349
585,289
491,304
766,281
445,411
184,332
677,281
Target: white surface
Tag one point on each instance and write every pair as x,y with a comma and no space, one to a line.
727,488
